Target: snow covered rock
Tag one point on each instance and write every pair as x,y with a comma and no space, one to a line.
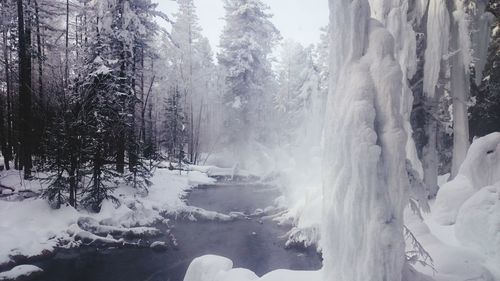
216,268
21,272
240,274
89,238
478,222
207,268
481,168
92,225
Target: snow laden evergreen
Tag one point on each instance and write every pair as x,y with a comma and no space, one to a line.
299,100
95,120
191,73
245,46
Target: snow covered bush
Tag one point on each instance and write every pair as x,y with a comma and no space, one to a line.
481,168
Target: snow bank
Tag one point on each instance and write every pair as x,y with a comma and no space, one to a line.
31,228
20,272
451,261
480,168
478,223
450,198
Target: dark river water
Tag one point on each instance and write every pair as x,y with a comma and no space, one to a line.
251,243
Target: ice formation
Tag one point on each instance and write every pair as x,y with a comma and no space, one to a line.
438,26
365,184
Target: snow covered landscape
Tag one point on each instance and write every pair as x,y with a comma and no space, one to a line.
246,140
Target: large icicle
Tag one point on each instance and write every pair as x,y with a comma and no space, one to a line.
438,26
365,183
437,31
460,60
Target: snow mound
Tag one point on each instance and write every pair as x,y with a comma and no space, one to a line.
478,222
206,268
20,272
480,168
450,263
450,198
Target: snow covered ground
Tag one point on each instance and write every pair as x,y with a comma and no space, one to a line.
30,228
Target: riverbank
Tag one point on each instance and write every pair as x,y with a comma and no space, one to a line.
31,230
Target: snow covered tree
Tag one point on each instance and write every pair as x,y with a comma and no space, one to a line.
322,58
246,44
25,91
485,114
174,138
190,57
299,99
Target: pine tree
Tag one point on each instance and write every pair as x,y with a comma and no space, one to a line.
190,57
246,43
175,135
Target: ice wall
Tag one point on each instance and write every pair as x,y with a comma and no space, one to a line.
398,18
365,184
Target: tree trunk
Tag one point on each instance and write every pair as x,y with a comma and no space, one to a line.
66,54
132,145
460,91
430,157
6,143
24,91
40,58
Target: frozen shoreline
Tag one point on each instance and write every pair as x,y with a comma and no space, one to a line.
30,229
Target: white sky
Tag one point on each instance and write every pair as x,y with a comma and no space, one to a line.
296,19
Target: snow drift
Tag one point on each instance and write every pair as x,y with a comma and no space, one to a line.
478,223
480,168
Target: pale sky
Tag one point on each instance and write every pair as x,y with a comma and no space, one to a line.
296,19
